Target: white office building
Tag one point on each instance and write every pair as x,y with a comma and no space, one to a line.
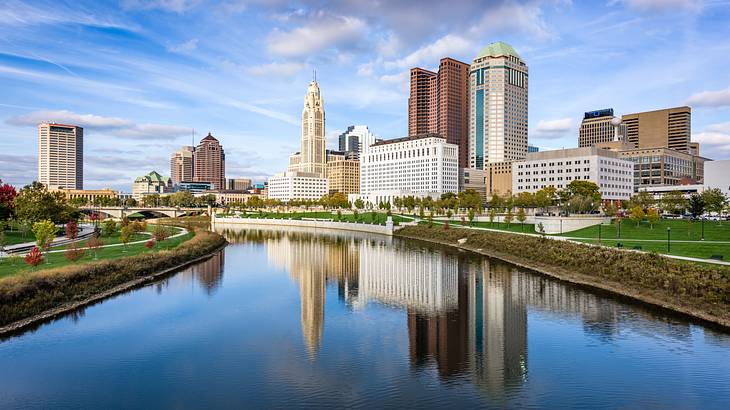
356,140
613,175
424,165
717,175
297,185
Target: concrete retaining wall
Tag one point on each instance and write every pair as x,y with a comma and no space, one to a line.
346,226
562,224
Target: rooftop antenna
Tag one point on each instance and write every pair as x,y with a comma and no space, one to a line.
315,75
192,138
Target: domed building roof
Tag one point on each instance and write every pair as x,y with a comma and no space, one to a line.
498,49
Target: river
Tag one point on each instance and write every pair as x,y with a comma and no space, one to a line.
285,318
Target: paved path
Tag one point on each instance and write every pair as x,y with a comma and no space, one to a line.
84,231
182,232
578,240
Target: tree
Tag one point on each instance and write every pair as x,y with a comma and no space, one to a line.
525,200
470,199
584,188
34,257
45,232
34,203
125,235
496,202
110,227
72,229
715,200
696,205
7,201
674,202
610,210
492,215
73,253
471,217
521,218
636,214
653,217
508,217
94,243
359,204
160,233
430,219
643,199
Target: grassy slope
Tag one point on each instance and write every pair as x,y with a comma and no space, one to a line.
58,259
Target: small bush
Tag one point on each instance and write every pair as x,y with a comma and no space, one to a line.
150,244
34,257
73,254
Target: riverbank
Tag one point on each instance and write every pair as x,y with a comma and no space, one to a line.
386,229
702,292
37,296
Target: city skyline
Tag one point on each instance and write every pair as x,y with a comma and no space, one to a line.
140,77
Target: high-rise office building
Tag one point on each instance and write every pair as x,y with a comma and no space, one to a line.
210,163
312,157
498,106
239,184
439,103
356,140
181,164
667,128
61,155
597,127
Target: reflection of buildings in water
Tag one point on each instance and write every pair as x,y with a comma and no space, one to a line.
312,261
209,273
498,325
420,280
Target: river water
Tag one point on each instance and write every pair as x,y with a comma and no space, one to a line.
291,318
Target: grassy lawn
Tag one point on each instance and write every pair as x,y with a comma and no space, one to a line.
363,217
16,237
58,259
656,239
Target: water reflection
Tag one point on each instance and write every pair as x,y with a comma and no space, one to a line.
208,273
466,315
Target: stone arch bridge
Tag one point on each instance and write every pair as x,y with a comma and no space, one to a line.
155,212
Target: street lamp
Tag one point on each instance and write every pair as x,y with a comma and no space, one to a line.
599,233
669,234
703,229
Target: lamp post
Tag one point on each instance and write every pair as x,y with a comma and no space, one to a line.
599,233
703,229
669,240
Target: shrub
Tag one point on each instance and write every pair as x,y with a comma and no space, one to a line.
149,244
446,225
160,233
94,243
73,254
72,229
110,227
34,257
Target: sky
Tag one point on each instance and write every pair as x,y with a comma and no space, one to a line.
145,77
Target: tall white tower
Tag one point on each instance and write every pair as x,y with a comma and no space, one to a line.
313,157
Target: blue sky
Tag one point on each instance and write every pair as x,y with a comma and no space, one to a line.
141,75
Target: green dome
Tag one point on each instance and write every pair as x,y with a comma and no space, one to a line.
498,49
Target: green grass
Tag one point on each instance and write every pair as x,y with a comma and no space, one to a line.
363,217
113,239
655,239
58,259
16,237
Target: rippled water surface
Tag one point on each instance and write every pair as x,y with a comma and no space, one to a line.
299,318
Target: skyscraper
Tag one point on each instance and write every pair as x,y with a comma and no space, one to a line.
597,128
210,163
312,155
667,128
356,140
498,106
61,155
181,164
439,103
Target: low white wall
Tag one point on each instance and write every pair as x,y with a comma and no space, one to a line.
346,226
562,224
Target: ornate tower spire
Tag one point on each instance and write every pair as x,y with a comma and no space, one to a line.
313,155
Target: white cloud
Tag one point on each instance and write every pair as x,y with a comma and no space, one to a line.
718,143
553,128
117,127
450,44
510,17
276,69
720,98
663,5
720,127
173,6
189,45
324,32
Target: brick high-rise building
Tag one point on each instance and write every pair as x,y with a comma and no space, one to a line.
181,165
61,156
439,103
210,163
667,128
